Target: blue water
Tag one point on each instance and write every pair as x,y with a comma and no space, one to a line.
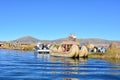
19,65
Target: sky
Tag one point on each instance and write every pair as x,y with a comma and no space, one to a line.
53,19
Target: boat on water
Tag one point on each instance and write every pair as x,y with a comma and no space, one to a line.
69,48
41,48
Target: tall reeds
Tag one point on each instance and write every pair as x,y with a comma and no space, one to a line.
113,51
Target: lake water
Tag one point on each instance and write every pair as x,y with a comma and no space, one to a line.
19,65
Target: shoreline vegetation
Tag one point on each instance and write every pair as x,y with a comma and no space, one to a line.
113,52
13,46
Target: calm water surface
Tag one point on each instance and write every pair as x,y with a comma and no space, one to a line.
18,65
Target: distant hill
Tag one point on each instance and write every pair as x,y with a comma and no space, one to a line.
27,40
95,41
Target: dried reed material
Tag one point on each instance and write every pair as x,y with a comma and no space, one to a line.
90,46
83,52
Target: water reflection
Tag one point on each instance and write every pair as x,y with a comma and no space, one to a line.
70,79
68,66
68,61
62,66
26,65
65,61
114,61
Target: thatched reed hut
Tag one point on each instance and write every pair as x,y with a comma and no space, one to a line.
72,40
112,46
113,51
90,46
68,44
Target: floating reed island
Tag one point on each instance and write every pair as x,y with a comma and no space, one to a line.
17,46
69,48
72,48
112,52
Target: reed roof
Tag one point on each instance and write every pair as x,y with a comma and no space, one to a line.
70,42
90,46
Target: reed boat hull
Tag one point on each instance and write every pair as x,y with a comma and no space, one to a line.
63,54
72,53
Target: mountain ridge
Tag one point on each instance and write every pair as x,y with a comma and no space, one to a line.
95,41
83,41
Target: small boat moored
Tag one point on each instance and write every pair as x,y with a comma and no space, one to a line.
41,48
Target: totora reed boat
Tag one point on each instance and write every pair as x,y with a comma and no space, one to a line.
69,48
